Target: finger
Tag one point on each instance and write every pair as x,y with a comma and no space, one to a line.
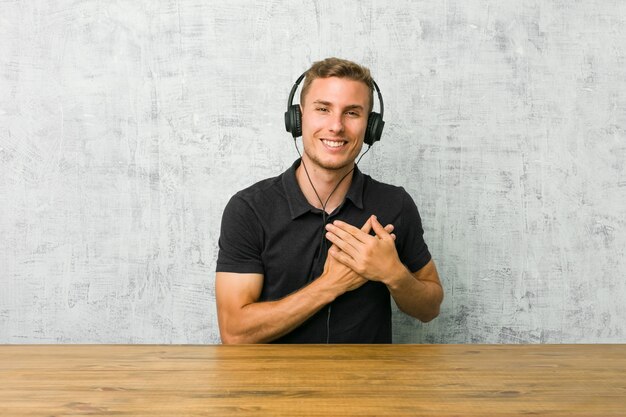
379,229
350,234
343,258
367,226
359,234
342,240
389,228
393,236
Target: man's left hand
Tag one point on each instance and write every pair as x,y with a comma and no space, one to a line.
373,257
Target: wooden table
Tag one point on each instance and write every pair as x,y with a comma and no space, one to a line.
339,380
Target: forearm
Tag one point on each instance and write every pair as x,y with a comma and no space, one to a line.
418,294
417,298
263,322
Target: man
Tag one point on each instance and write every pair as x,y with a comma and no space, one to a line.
277,279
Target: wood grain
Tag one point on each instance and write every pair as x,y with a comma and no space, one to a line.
359,380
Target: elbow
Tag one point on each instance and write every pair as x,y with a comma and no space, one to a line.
422,315
228,339
230,332
430,316
433,312
227,333
232,338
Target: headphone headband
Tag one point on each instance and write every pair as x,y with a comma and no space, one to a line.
294,89
380,99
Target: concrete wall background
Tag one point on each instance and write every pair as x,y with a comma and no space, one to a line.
126,126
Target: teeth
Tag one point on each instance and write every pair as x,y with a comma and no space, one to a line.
333,144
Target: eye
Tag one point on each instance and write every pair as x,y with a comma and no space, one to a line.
353,113
321,109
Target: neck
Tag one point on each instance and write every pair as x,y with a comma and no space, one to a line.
325,182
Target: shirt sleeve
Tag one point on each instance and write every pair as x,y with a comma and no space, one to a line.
412,248
241,239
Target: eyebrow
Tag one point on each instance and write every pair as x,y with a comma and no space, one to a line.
349,107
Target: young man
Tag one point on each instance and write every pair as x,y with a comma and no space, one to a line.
277,279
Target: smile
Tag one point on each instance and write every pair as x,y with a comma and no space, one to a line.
334,143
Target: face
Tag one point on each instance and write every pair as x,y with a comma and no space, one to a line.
334,120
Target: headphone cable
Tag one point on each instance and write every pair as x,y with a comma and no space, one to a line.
324,214
323,239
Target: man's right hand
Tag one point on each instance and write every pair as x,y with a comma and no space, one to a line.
343,276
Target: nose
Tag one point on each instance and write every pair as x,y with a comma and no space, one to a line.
336,123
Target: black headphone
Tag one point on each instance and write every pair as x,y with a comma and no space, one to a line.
293,117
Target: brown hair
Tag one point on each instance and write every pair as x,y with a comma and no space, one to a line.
341,68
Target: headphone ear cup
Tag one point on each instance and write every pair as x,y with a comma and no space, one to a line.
293,120
374,130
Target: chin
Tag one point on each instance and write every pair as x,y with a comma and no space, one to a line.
329,162
333,165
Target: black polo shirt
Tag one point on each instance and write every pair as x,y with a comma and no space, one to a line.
271,229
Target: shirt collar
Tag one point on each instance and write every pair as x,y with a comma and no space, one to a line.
298,204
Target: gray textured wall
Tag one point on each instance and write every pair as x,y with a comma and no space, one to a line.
126,126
